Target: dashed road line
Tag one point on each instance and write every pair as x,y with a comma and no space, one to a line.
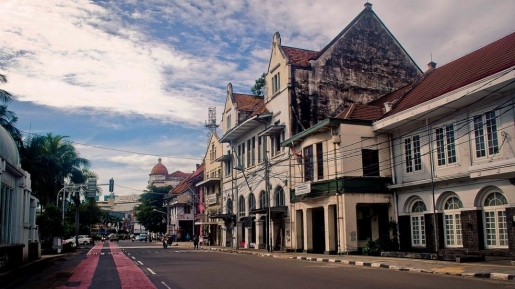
168,287
140,263
150,270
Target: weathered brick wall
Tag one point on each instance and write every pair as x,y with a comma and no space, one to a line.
362,65
472,230
434,225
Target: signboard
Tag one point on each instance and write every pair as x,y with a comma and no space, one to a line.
211,199
303,188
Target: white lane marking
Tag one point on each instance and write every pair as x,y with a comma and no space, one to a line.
140,263
166,285
133,257
153,273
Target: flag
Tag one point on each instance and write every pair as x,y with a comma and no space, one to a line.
296,154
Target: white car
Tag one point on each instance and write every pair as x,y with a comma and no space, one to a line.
83,239
71,240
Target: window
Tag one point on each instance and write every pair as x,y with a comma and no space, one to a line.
308,163
243,155
252,202
6,210
452,219
276,144
253,151
279,197
320,161
239,157
486,145
229,206
412,152
445,145
228,168
276,83
496,232
418,227
187,209
370,160
241,207
263,200
212,153
248,153
260,149
228,122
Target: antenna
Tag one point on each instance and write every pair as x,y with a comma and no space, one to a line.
211,122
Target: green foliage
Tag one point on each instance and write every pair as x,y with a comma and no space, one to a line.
50,160
145,214
50,223
258,88
372,248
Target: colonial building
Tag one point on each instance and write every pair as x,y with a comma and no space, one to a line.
454,161
183,205
303,87
159,176
211,197
19,239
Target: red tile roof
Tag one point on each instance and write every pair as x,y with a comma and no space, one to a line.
190,181
179,174
260,108
486,61
299,57
246,102
361,112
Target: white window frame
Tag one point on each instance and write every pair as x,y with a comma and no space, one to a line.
276,83
241,209
445,143
494,220
417,224
485,128
413,154
453,233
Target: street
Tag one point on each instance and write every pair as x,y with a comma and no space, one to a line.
185,268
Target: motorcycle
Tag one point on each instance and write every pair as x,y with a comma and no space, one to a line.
165,244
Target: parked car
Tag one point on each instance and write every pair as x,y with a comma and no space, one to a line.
70,240
83,239
142,237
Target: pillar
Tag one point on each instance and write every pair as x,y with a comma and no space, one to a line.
308,230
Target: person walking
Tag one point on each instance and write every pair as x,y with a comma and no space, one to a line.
195,242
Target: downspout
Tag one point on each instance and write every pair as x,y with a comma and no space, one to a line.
431,164
337,201
394,181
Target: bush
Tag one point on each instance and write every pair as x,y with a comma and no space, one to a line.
372,248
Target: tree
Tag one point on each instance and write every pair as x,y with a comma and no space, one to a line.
145,214
50,160
258,88
50,223
8,118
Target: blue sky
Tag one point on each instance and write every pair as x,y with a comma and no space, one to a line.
130,81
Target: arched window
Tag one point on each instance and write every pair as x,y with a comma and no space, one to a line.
496,232
241,207
262,200
418,226
252,202
229,206
452,217
279,197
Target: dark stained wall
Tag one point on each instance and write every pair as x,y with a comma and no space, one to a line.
364,63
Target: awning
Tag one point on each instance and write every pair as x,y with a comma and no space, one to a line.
272,130
208,181
222,216
223,158
243,128
283,209
206,223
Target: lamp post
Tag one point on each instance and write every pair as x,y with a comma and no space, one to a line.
165,204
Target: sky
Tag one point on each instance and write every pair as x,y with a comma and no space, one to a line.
131,81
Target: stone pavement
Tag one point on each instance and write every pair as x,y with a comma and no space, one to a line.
493,268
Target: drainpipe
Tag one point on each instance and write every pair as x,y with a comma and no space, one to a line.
337,201
394,181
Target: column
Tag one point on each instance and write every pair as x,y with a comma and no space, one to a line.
260,237
330,229
308,230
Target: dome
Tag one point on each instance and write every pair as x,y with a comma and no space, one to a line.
8,149
159,169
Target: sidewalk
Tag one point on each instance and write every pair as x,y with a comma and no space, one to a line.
498,269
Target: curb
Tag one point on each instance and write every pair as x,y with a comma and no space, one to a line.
491,275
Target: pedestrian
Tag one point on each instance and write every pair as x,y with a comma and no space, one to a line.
165,242
187,237
195,242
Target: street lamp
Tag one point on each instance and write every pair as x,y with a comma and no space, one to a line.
165,204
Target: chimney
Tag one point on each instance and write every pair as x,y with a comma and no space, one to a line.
368,5
387,106
431,65
197,166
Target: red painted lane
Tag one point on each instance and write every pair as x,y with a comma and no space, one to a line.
131,276
83,274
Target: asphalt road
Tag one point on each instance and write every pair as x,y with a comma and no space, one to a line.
185,268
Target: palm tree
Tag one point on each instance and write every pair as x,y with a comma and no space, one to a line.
50,160
8,118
